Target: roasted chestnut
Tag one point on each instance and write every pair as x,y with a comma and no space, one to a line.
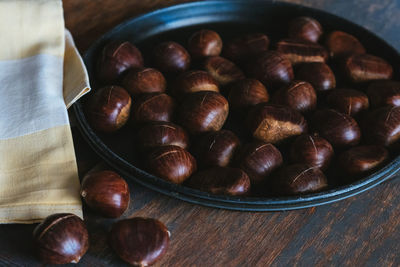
153,107
318,74
246,93
245,47
312,150
155,134
204,43
362,159
116,58
348,101
384,93
222,70
171,58
364,68
221,181
300,179
195,81
272,68
275,123
258,160
338,128
203,112
106,193
171,163
216,148
298,95
305,28
108,108
147,80
300,51
139,241
341,44
61,238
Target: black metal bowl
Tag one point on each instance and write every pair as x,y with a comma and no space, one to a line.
229,18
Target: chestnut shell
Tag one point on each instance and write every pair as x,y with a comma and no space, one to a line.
341,44
348,101
246,93
364,68
300,51
384,93
195,81
147,80
319,74
245,47
153,107
204,43
305,28
171,58
222,70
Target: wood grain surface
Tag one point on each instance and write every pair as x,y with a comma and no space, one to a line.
360,231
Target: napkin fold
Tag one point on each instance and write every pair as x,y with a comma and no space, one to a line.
41,74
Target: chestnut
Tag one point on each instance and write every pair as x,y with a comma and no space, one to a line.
204,43
300,179
246,93
312,150
298,95
300,51
348,101
338,128
305,28
341,44
203,111
116,58
195,81
147,80
139,241
171,163
106,193
364,68
108,108
153,107
221,181
216,148
258,159
319,74
155,134
61,238
245,47
275,123
222,70
361,159
382,93
272,68
171,58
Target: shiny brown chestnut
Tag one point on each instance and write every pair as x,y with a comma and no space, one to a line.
204,43
305,28
246,47
384,93
319,74
298,95
258,159
348,101
338,128
221,181
300,179
312,150
153,107
246,93
301,51
106,193
272,68
108,108
195,81
171,58
115,59
147,80
61,238
139,241
216,148
203,112
155,134
341,44
171,163
275,123
364,68
361,159
223,70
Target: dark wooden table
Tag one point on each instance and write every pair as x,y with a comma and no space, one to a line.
360,231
